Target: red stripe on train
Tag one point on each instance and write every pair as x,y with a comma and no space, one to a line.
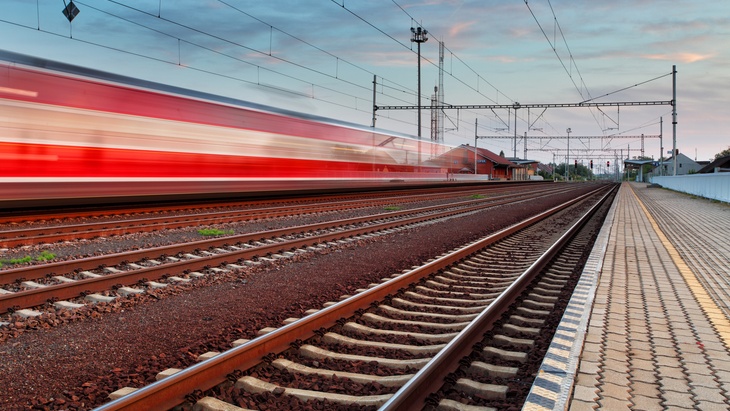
42,160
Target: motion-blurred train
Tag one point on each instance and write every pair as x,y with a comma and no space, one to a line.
71,134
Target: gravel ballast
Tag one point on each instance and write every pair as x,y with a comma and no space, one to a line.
72,360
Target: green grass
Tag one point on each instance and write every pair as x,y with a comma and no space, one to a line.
476,196
44,256
391,208
211,232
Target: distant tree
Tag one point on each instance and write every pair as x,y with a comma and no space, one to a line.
501,153
583,172
646,168
580,173
723,153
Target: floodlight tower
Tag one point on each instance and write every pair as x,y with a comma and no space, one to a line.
418,36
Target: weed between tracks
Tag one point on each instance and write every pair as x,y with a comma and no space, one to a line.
45,256
211,232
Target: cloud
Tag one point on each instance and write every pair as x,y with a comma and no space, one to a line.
681,57
458,28
504,58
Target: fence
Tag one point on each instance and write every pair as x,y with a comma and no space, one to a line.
715,186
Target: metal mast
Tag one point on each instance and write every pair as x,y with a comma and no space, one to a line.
440,98
567,161
674,117
525,152
434,119
516,105
661,146
375,85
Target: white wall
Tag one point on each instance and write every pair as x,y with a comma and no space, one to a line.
470,177
715,186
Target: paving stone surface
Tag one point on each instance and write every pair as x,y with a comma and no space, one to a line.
699,230
659,331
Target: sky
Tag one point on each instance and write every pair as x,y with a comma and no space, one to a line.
320,57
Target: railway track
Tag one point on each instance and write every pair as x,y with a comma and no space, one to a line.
68,284
124,212
394,344
141,221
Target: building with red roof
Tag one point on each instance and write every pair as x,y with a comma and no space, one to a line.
461,160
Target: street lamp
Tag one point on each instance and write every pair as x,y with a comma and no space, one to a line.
567,162
418,37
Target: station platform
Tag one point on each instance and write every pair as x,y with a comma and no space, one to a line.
648,327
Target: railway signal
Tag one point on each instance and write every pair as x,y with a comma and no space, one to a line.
591,164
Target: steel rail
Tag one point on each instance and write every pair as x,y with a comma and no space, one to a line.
413,395
13,238
171,391
10,217
118,210
50,269
39,296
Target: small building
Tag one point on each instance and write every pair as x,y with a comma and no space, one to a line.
545,168
461,160
638,165
720,165
529,165
685,165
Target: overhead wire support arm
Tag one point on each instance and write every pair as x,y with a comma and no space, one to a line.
547,105
608,137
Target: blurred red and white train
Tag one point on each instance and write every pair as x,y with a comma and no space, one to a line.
70,134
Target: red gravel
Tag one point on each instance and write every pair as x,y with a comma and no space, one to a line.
72,361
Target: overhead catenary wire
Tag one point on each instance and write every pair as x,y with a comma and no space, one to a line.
202,70
234,43
451,74
386,87
435,64
479,77
560,59
385,84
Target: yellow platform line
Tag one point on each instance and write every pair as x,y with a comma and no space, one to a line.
719,321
